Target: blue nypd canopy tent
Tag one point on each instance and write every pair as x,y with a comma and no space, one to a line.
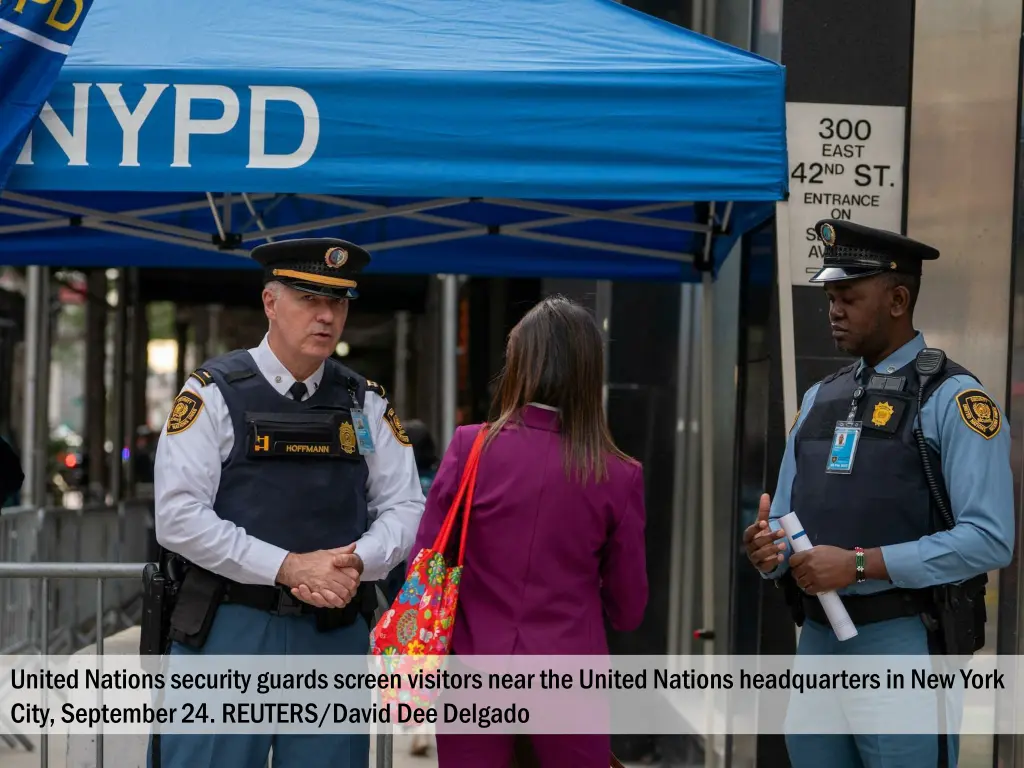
571,138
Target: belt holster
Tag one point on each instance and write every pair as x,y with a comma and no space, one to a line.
961,614
199,597
155,623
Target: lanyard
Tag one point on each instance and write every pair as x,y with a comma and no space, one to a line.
858,393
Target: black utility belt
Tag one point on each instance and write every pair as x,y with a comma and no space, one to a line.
279,601
311,434
870,609
201,594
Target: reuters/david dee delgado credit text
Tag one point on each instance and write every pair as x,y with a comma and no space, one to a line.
510,694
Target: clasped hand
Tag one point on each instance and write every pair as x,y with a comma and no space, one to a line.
327,578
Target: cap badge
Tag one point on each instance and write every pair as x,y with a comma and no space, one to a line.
892,265
828,234
335,257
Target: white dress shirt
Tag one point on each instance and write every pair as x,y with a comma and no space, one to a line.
187,475
545,407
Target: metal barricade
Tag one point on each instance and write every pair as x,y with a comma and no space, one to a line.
100,572
103,534
44,572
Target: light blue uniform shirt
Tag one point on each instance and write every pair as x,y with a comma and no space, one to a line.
979,484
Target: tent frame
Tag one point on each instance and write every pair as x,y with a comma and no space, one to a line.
44,214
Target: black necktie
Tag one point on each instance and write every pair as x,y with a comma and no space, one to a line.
865,375
298,391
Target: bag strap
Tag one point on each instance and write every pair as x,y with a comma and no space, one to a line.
468,480
466,489
477,447
441,540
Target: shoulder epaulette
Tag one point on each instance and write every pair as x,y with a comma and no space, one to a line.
373,386
202,375
243,373
840,372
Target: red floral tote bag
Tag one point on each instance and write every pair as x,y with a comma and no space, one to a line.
415,633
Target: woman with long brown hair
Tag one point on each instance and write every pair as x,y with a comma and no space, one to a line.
556,536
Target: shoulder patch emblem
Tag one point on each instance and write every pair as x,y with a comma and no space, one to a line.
396,426
186,409
373,386
979,412
203,376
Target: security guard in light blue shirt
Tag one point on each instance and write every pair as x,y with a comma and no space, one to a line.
889,533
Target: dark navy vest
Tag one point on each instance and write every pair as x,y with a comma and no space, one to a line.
885,500
294,477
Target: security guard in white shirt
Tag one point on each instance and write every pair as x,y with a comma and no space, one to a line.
287,485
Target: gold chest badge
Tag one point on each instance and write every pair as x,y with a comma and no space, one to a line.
347,437
882,413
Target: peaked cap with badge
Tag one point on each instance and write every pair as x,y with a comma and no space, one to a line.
853,251
325,266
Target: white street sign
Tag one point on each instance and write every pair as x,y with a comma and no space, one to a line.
845,162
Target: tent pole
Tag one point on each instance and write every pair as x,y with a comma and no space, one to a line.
787,339
133,372
441,237
42,443
37,356
681,548
707,479
91,216
227,205
216,216
515,231
145,234
351,218
583,214
449,340
691,471
256,216
32,353
400,384
35,226
707,525
538,224
783,278
118,389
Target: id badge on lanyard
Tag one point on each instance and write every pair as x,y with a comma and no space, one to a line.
845,440
364,438
844,447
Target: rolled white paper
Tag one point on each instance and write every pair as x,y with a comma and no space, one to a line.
840,620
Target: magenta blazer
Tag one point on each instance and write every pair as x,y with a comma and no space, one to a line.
547,558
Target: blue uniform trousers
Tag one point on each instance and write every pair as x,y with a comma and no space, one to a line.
904,636
242,631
